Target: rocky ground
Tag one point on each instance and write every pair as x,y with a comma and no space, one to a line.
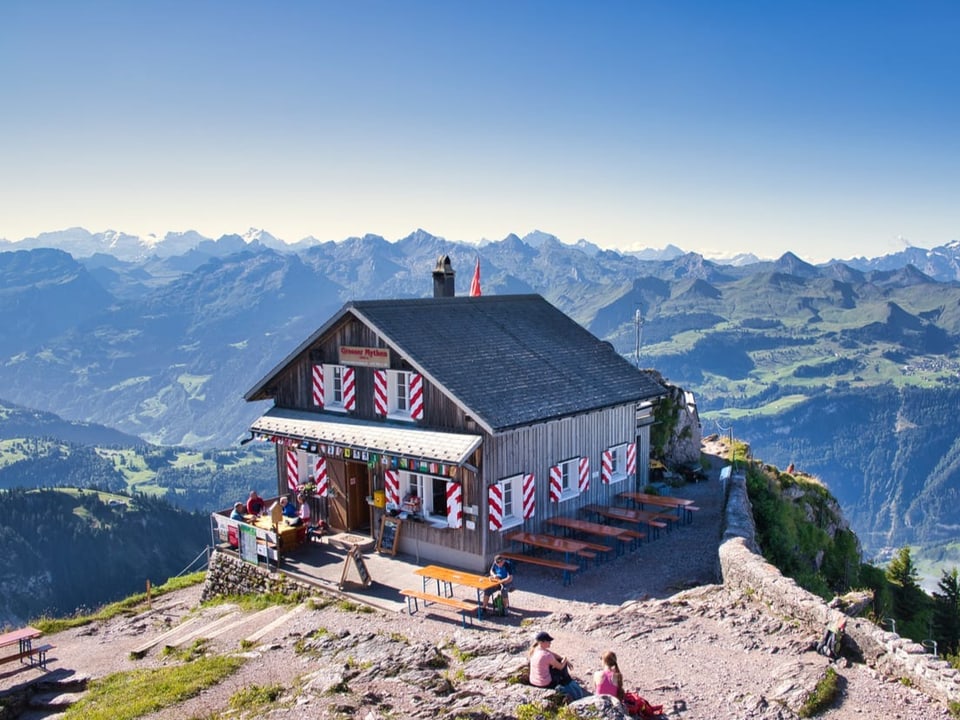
681,639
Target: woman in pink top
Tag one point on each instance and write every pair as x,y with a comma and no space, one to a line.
609,681
542,659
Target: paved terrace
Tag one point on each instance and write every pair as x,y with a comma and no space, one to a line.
683,558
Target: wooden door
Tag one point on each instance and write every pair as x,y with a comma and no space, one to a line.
358,487
337,499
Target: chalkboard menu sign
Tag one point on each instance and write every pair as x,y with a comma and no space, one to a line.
355,557
389,535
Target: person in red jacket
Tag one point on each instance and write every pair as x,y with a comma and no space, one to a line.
254,503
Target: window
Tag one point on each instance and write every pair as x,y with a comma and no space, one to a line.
512,489
424,491
619,464
570,476
334,382
399,394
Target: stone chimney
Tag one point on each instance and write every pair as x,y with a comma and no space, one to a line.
443,276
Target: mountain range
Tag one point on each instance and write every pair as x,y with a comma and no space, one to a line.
847,369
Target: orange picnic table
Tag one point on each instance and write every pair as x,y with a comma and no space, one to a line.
683,506
607,532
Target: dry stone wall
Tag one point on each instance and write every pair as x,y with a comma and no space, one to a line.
744,569
228,575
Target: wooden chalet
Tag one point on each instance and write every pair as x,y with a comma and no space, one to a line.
498,412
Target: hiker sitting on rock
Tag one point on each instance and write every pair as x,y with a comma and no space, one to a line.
609,681
547,669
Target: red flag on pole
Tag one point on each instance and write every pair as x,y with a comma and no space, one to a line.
475,283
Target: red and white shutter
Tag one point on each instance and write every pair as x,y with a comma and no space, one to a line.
454,504
556,480
606,468
320,476
584,482
416,396
631,459
495,507
293,470
318,385
529,496
391,486
380,392
349,389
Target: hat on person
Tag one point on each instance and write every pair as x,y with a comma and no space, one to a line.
544,637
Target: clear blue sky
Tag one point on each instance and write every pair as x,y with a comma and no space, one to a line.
828,128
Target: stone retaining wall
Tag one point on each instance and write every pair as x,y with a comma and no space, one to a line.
229,575
744,569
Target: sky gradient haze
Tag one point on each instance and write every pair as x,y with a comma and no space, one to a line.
825,128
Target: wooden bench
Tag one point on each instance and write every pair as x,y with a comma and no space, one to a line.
634,537
464,607
38,655
567,568
595,551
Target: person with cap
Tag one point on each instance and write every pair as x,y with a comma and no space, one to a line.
238,509
547,669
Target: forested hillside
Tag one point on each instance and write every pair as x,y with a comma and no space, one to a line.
68,549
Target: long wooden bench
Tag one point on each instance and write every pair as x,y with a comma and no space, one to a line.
595,550
464,607
567,568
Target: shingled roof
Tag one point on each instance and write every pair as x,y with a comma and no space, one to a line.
509,360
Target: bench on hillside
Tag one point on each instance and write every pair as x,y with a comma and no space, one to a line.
567,568
464,607
23,639
38,655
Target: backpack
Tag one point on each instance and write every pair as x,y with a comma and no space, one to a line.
639,707
498,606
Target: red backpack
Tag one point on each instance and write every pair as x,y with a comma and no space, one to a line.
640,708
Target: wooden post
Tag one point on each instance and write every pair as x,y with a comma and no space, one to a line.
148,593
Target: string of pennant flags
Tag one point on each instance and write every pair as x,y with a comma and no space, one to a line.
371,458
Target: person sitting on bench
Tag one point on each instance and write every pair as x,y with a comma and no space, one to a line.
500,572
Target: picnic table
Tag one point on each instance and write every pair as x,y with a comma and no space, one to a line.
23,639
607,532
653,521
446,578
288,536
684,507
548,542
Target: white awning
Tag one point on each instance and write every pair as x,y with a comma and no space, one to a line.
448,448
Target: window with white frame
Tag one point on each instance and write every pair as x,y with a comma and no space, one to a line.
427,492
334,386
398,394
619,464
512,491
569,478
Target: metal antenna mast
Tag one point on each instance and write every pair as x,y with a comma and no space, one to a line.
638,324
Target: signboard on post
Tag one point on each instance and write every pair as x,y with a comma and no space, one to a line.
389,535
